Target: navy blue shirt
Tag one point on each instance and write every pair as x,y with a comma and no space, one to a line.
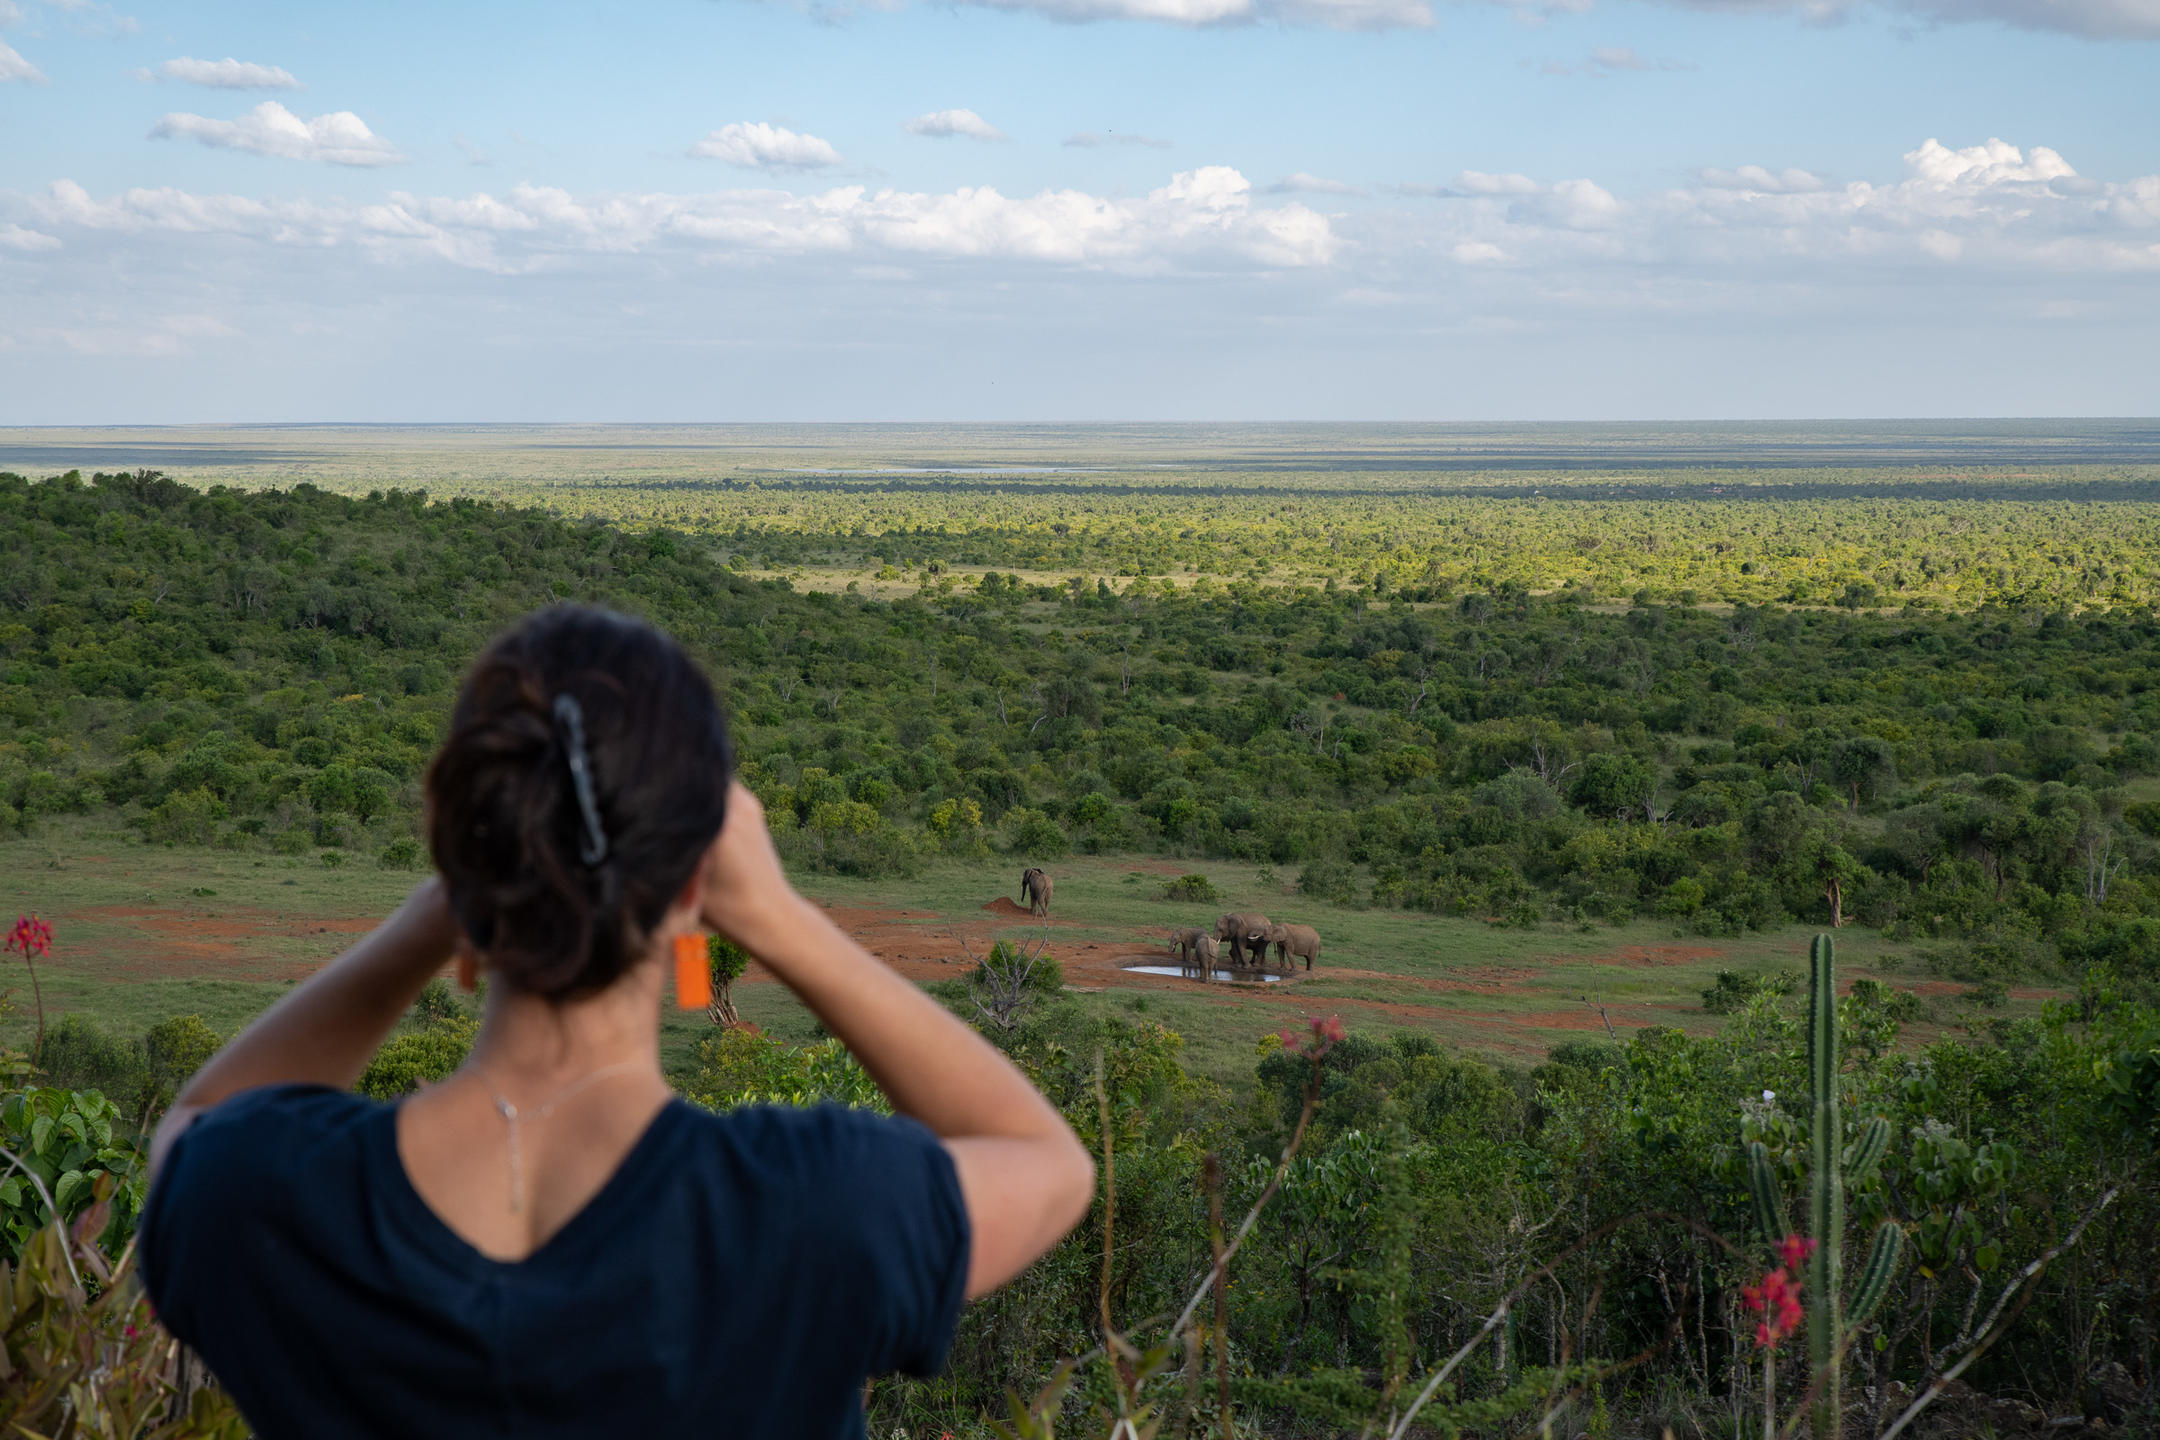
739,1275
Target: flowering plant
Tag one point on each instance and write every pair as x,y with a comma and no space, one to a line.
33,937
1326,1034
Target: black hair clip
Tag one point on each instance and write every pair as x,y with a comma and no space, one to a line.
570,720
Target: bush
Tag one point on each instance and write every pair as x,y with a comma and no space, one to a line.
1732,991
402,853
1035,836
1334,881
77,1055
741,1066
187,817
418,1057
1197,889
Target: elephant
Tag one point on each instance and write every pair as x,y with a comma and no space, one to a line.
1293,941
1194,949
1035,888
1244,933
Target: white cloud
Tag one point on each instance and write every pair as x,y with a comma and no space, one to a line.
15,237
339,138
1477,182
760,146
228,74
14,67
1096,140
1478,252
1331,14
1201,219
945,124
1755,177
1994,163
1300,183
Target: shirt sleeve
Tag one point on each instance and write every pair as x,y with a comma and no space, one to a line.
896,1234
222,1177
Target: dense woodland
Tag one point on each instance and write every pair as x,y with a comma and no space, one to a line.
271,669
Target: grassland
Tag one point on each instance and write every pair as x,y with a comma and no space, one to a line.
149,931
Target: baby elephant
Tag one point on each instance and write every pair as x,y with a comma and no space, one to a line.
1294,940
1035,889
1194,948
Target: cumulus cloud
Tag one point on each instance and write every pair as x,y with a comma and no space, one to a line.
1202,218
1330,14
946,124
1755,177
339,138
14,67
1300,183
228,74
758,146
1097,139
15,237
1477,182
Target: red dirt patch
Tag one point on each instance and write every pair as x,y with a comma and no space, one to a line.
1009,909
230,942
1647,955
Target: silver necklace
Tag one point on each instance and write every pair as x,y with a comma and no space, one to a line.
513,1116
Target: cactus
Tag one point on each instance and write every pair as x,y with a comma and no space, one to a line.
1832,1164
1885,1255
1826,1194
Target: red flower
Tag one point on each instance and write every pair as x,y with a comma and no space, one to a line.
31,935
1777,1300
1325,1035
1795,1251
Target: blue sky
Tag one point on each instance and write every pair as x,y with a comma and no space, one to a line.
1104,209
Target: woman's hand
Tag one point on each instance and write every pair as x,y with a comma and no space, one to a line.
744,890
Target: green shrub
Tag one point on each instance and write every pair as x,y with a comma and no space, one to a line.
403,853
68,1139
1334,881
418,1057
187,817
1731,990
1197,889
1034,835
78,1055
742,1066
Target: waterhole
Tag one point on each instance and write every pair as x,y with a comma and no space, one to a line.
1192,972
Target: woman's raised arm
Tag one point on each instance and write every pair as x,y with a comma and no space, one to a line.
326,1030
1023,1173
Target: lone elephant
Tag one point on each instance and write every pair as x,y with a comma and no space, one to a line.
1246,935
1295,940
1035,888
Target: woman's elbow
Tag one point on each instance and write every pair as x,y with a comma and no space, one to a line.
1076,1190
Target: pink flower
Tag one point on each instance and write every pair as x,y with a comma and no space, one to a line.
1777,1298
1795,1250
30,935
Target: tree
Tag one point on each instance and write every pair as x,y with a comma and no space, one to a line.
727,961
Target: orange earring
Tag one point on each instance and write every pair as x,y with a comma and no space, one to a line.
693,975
468,971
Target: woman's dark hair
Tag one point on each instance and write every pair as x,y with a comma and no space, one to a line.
559,877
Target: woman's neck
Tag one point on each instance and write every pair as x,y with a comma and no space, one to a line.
527,1043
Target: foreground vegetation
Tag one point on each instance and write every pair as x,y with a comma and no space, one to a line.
266,673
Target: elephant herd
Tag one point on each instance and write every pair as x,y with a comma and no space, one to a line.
1241,936
1244,938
